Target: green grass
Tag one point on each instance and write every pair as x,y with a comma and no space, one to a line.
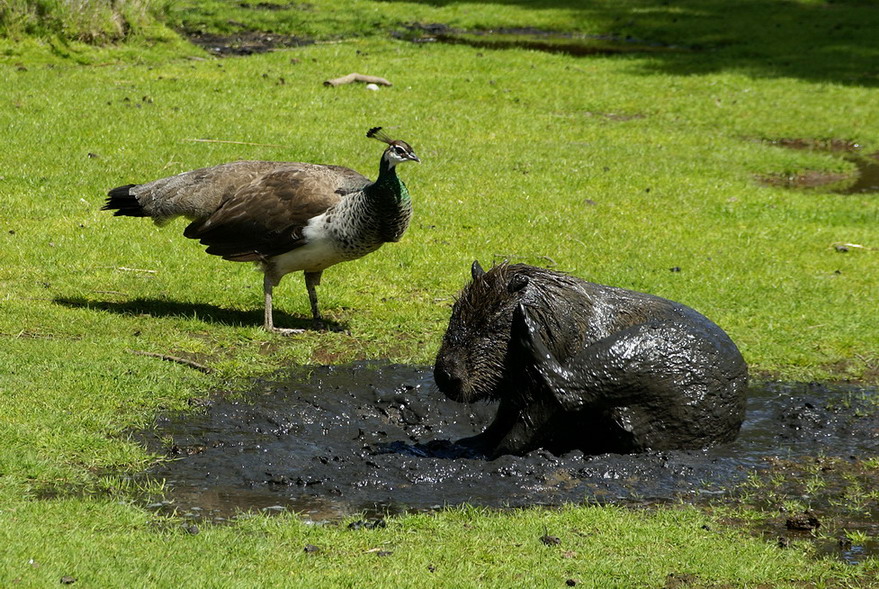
616,168
599,547
509,168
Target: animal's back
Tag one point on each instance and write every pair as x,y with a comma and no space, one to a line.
614,309
577,312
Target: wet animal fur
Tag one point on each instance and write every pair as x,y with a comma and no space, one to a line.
478,335
488,352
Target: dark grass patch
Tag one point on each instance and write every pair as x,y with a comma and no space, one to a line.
577,45
272,7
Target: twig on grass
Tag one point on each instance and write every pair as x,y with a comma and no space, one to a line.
177,359
844,247
357,78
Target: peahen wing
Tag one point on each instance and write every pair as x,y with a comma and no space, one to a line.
265,217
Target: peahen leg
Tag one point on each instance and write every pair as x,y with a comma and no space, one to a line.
268,322
312,279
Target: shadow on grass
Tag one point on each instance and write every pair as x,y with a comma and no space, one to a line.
825,41
200,311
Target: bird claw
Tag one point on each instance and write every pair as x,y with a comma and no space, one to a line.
285,330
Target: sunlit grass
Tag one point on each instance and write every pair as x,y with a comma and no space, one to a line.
599,547
615,168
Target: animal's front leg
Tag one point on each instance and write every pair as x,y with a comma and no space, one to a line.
488,441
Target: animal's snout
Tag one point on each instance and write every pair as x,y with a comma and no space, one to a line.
446,373
444,378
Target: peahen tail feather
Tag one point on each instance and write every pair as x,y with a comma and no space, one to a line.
124,203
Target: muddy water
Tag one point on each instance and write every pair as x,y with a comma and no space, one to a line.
865,180
333,441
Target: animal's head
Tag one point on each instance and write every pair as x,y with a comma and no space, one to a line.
472,362
397,152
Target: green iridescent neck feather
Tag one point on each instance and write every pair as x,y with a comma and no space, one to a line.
388,183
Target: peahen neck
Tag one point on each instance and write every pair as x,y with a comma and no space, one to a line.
388,185
386,208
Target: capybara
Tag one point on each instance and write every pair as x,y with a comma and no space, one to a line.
578,365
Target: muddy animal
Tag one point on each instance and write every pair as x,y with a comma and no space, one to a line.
578,365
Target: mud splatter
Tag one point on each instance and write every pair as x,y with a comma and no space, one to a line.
245,43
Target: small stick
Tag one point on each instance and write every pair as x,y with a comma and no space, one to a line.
839,244
124,269
177,359
357,78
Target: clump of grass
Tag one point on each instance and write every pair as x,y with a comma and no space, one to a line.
88,21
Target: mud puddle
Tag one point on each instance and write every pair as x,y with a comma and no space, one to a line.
369,438
244,43
864,180
251,42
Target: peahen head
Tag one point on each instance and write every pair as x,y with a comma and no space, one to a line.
398,151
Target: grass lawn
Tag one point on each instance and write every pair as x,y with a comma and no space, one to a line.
617,167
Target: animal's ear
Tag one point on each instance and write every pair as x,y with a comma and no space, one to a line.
517,283
476,270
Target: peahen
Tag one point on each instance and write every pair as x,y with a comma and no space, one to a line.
284,216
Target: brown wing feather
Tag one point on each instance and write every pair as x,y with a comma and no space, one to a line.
266,217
